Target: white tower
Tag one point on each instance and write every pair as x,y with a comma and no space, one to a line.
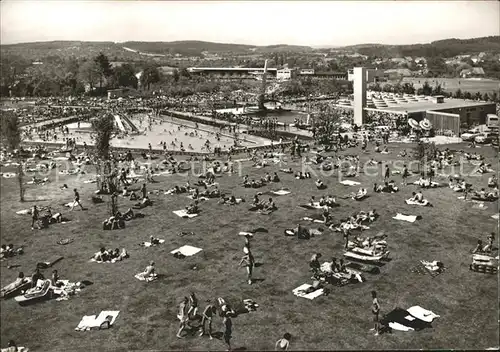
359,95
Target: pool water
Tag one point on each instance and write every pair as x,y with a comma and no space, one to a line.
170,130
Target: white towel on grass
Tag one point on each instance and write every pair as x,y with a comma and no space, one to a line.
187,250
86,322
399,327
312,295
409,218
183,213
422,314
281,192
349,183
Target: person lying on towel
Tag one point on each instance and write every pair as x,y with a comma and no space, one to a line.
417,197
114,222
275,178
328,201
493,194
360,194
102,255
193,208
303,233
150,270
233,201
493,181
154,241
287,171
128,215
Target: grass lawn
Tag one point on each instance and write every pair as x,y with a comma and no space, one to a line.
466,301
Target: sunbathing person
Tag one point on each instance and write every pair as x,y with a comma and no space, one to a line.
314,264
20,280
493,194
330,202
479,247
320,184
143,204
37,275
493,181
154,241
128,215
303,233
287,171
360,194
486,196
351,172
150,270
270,206
101,256
275,178
193,208
256,203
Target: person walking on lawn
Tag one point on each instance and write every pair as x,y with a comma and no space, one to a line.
77,200
34,216
375,312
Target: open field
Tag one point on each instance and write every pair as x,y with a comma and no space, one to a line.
466,301
452,84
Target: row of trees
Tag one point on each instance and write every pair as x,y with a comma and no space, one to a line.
427,89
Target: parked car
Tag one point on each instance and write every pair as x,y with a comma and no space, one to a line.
470,135
486,137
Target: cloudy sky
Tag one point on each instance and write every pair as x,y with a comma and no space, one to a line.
260,23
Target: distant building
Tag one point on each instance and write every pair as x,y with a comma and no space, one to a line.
472,72
286,74
306,71
372,75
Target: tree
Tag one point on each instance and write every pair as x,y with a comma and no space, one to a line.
494,96
184,72
124,76
426,89
408,88
89,73
103,127
486,97
103,67
437,90
423,152
458,94
325,125
467,95
10,132
149,76
478,96
175,75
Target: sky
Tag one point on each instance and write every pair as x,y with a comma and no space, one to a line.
321,23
